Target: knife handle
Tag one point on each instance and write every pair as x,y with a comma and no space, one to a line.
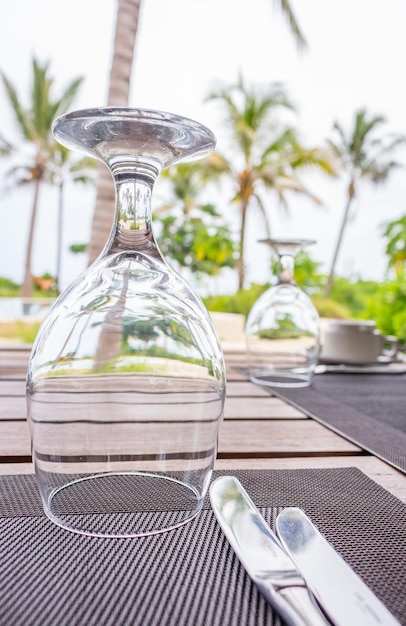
305,610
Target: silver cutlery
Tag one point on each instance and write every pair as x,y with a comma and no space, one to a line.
339,590
262,556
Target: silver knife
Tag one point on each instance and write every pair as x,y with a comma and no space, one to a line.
339,590
261,554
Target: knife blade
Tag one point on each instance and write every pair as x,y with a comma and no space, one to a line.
261,554
345,598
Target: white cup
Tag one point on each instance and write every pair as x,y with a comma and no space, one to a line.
356,341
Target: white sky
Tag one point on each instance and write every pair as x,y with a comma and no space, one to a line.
185,48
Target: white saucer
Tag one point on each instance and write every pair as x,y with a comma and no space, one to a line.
381,360
381,368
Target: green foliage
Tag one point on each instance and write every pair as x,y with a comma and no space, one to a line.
192,243
8,288
78,248
191,232
240,302
307,272
354,295
388,308
19,330
395,234
327,307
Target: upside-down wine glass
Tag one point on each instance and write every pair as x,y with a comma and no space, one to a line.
126,380
282,328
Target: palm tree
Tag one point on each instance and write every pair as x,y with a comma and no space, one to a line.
128,12
34,124
128,15
363,155
266,155
64,169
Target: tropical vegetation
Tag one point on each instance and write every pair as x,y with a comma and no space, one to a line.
263,167
126,29
34,125
191,231
349,298
265,154
364,154
395,235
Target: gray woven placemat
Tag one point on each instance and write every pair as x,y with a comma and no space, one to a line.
380,396
369,410
189,576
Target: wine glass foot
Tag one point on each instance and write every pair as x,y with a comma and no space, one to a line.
281,379
123,504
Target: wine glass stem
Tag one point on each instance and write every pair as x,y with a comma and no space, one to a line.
133,227
286,268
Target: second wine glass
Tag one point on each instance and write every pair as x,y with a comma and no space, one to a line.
282,329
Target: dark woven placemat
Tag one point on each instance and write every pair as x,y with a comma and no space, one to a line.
369,410
381,397
189,576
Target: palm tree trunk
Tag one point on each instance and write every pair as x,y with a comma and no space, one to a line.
350,198
59,238
119,88
26,290
240,263
111,334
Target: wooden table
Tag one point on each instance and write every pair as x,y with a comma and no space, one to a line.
259,431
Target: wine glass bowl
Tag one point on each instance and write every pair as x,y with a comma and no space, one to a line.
282,328
126,380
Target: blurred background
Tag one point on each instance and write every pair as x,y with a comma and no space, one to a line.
332,139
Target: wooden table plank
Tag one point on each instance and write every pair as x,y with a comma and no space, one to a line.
264,407
238,438
260,408
10,469
382,473
262,438
234,373
15,440
235,389
12,388
12,408
13,361
245,389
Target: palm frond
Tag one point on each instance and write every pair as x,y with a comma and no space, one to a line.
315,157
286,10
362,152
264,214
63,104
21,115
5,147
